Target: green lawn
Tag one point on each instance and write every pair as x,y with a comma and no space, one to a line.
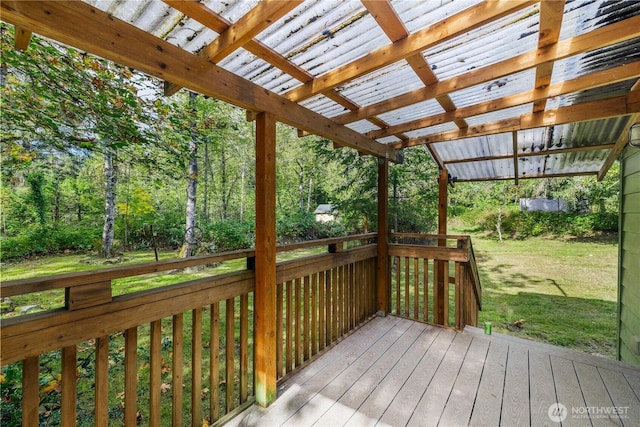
563,290
558,291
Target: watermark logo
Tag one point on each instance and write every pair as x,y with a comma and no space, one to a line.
557,412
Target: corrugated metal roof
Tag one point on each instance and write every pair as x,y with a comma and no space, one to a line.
320,36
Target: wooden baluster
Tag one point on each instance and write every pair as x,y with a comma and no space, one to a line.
314,314
280,368
30,391
406,287
177,375
298,323
425,282
230,353
155,380
322,311
131,376
416,289
398,292
214,362
196,367
244,347
289,332
334,304
329,304
69,381
307,321
459,313
102,382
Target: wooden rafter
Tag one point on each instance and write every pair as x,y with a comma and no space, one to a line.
233,36
621,142
22,38
387,18
589,81
130,46
551,13
604,36
530,154
602,109
419,41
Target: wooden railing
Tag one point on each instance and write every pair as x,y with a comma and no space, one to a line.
423,268
184,351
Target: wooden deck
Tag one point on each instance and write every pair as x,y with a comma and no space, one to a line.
396,372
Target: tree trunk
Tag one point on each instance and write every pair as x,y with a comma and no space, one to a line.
223,181
300,186
310,192
190,243
205,194
111,181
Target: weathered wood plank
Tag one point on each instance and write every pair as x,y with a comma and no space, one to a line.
491,388
155,380
354,394
515,400
336,386
244,348
567,388
622,395
380,398
459,407
430,407
595,396
102,382
542,391
307,383
230,344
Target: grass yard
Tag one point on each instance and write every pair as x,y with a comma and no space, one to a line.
558,291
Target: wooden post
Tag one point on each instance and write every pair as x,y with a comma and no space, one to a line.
442,273
383,237
265,261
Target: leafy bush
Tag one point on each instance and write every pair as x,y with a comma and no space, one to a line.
48,239
516,224
230,235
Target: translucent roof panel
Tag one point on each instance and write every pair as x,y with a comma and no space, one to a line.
494,42
581,162
582,16
444,127
413,112
419,14
494,116
482,170
393,80
246,64
323,105
325,34
509,85
477,147
362,126
595,94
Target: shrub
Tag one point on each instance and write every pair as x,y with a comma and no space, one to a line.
230,235
48,239
516,224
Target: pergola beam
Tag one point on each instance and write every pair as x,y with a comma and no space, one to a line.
127,45
601,37
589,81
605,108
551,13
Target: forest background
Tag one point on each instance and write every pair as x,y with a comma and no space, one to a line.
95,159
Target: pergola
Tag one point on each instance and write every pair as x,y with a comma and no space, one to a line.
491,89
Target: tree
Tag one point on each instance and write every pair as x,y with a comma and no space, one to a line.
58,101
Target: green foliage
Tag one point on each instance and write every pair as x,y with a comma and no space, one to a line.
48,239
519,225
36,183
230,235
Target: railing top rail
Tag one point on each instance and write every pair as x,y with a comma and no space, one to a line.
67,280
430,236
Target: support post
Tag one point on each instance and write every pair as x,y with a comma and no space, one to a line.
383,237
440,312
265,261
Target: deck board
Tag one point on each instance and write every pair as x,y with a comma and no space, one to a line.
396,372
